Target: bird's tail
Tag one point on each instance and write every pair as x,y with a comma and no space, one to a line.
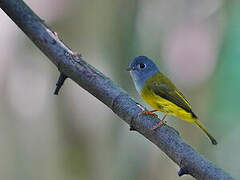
214,142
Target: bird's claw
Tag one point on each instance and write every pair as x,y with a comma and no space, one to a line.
160,124
149,113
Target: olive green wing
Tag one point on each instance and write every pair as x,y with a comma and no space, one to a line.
169,92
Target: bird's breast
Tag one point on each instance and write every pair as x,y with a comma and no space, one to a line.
152,99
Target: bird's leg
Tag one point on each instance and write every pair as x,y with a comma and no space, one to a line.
161,123
144,111
150,112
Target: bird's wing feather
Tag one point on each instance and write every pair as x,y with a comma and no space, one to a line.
170,93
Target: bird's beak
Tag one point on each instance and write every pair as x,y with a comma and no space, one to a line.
128,69
131,69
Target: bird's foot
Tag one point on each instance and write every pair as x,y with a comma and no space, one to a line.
150,113
161,123
144,111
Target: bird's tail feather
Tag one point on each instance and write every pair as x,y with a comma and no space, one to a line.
214,142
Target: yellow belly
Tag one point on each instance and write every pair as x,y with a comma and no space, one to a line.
165,106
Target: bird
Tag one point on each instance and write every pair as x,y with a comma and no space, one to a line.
161,94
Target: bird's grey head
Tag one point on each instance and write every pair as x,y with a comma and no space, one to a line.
142,68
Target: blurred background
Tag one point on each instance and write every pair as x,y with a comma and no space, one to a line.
74,136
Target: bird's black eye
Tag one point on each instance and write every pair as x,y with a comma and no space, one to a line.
142,65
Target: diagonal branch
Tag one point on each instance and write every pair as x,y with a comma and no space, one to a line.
96,83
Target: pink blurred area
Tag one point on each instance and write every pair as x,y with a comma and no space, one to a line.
189,35
191,52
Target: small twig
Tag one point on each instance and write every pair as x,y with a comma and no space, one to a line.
60,82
